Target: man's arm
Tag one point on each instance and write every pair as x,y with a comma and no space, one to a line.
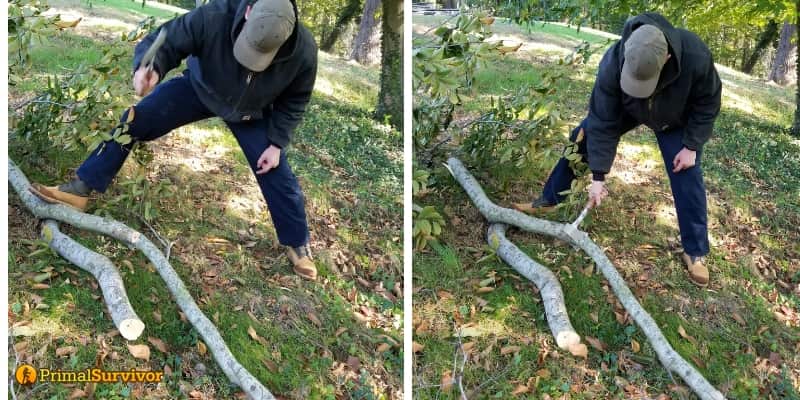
607,119
288,108
704,105
184,37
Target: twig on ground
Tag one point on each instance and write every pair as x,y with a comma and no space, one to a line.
458,372
14,369
494,378
167,245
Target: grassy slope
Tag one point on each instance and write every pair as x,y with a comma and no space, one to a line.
225,248
752,171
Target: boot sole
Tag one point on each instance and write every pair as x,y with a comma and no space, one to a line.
305,276
52,200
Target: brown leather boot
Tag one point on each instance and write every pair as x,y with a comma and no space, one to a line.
61,195
538,206
698,272
301,259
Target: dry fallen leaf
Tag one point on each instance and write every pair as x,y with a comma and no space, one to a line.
20,347
77,394
201,348
468,330
739,319
66,350
252,333
485,289
158,343
383,347
141,351
510,349
271,366
416,347
447,381
443,295
314,318
354,363
422,328
520,389
596,343
579,350
544,373
684,335
594,317
635,346
340,331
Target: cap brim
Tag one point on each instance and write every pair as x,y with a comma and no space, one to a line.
251,58
634,87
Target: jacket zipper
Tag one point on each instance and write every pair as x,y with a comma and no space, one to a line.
246,88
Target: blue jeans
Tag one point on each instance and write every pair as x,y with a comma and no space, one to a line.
688,189
173,104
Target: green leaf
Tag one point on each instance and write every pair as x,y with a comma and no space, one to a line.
124,139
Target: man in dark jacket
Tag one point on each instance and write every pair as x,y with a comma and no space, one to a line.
664,78
250,63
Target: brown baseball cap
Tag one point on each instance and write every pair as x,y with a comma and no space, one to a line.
645,52
268,25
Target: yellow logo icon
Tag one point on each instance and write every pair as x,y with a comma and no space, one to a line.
25,374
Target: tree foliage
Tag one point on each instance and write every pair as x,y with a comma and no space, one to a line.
731,28
517,131
78,111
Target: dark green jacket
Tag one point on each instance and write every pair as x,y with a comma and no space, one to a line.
687,97
206,35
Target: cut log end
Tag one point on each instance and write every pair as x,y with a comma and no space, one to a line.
566,339
131,329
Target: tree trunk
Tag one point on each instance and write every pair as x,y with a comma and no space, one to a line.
783,64
390,98
348,12
767,37
796,125
669,358
366,47
117,230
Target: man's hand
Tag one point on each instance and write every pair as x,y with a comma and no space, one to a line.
597,192
269,159
144,80
684,160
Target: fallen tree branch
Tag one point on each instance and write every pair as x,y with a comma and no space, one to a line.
669,358
549,289
235,372
129,324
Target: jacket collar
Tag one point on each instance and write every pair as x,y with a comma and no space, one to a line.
287,50
672,69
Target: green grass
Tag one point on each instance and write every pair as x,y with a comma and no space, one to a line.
751,170
129,10
225,248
